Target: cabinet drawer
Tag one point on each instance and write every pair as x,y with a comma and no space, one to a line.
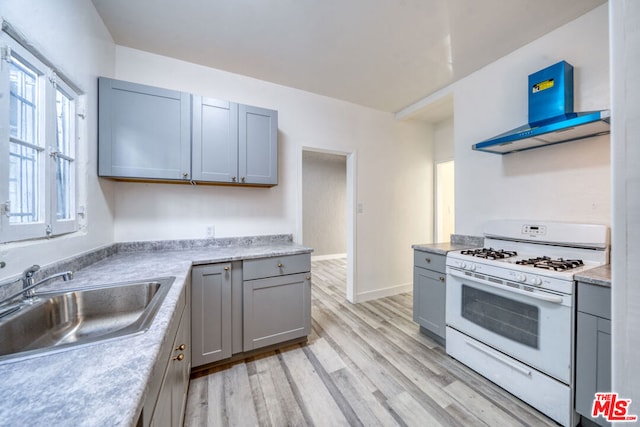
594,299
276,266
429,261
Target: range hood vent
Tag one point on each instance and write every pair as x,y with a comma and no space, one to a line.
551,116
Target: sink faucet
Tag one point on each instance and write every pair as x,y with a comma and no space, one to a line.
28,281
29,284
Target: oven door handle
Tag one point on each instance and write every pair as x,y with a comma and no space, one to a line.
555,299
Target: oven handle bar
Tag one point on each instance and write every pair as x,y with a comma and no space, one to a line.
548,298
509,363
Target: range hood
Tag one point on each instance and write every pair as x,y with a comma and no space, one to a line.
551,116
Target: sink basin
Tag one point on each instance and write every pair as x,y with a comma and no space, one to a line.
68,319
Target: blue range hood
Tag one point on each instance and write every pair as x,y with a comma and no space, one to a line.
551,116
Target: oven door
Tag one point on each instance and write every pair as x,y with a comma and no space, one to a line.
533,327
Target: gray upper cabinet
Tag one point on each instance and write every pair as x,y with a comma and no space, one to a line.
144,132
258,145
215,140
152,133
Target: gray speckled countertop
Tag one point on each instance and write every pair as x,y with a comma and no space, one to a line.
105,384
596,276
442,248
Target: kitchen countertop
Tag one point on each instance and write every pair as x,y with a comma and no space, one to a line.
441,248
596,276
105,384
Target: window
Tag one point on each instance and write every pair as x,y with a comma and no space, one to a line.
37,148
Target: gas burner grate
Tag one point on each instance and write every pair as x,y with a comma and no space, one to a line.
547,263
489,253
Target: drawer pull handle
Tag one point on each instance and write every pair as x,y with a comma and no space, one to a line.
441,278
279,265
226,269
428,260
179,357
181,347
308,277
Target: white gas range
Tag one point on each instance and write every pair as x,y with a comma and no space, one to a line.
510,307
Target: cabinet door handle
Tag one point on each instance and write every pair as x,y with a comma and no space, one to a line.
242,179
179,357
185,174
181,347
226,268
428,260
441,278
279,265
308,277
233,179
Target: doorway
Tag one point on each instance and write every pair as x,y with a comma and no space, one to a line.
326,214
444,201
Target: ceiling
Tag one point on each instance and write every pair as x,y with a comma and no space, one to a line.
383,54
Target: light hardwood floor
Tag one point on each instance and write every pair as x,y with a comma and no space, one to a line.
364,365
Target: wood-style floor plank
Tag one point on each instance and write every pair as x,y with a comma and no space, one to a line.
363,365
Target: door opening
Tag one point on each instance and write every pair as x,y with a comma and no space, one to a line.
326,209
444,201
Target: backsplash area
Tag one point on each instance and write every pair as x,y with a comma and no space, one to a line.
78,262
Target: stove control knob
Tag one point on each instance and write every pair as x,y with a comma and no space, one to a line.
536,281
521,278
472,267
461,264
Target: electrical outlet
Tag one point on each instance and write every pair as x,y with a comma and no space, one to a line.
211,231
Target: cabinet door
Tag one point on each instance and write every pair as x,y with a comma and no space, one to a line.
211,313
180,365
429,300
215,140
258,145
276,309
593,362
143,131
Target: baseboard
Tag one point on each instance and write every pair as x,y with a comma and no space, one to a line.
327,257
382,293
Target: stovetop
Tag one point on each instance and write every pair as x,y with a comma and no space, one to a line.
543,262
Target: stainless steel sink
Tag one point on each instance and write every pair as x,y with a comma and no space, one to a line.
62,320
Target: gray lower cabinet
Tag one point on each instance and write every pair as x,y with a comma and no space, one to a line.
429,276
166,400
144,132
276,309
246,305
211,313
593,347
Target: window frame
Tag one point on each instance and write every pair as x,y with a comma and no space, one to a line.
48,84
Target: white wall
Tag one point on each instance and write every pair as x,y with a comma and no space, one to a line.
324,201
566,182
71,35
394,174
625,252
443,141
